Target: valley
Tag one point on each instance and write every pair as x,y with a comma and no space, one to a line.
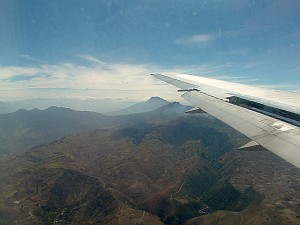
157,167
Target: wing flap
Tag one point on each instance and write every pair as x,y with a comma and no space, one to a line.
281,138
263,127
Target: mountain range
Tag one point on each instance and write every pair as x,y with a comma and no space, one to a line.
157,167
117,171
86,104
24,129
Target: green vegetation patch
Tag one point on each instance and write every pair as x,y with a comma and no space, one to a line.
223,196
198,183
173,212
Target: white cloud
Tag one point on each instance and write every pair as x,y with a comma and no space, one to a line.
114,80
92,59
30,58
199,40
12,71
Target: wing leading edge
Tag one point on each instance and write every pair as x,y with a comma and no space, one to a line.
270,123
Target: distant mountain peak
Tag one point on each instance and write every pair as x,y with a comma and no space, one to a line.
174,106
174,103
56,108
156,98
153,103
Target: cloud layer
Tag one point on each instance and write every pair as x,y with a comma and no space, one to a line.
95,79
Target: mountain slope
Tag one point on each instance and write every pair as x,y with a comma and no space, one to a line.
172,172
131,168
24,129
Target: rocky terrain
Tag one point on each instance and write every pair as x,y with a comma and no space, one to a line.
160,167
269,175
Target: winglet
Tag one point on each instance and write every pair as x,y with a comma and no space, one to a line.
195,110
248,145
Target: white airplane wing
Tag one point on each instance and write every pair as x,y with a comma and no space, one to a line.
270,118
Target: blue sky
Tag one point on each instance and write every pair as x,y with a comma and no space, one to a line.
106,48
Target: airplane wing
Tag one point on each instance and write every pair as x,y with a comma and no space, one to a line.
270,118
